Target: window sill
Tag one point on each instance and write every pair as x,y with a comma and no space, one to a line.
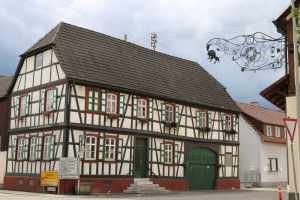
89,161
47,113
169,164
20,118
110,161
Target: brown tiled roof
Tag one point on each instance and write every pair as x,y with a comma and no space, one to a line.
261,135
97,58
265,115
5,83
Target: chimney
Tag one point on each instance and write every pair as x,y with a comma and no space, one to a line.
125,37
254,103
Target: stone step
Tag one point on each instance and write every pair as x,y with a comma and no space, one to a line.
145,186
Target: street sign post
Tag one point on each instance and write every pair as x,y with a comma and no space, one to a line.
290,125
69,168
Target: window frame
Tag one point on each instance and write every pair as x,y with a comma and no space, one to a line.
228,123
116,94
87,97
46,99
206,118
167,104
35,61
35,148
277,131
270,168
115,138
96,147
44,158
269,130
169,154
21,97
146,100
18,151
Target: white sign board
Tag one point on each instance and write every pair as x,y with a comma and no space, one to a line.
290,124
69,168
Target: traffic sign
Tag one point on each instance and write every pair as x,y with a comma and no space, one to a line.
69,168
290,125
49,178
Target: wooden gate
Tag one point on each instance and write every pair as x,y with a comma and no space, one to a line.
200,169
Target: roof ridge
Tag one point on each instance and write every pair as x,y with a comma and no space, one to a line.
56,32
260,107
131,43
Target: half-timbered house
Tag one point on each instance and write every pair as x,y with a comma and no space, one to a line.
127,111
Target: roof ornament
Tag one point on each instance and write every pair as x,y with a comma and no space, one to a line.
251,52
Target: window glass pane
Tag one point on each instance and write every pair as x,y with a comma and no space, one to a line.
32,148
110,149
202,119
23,106
47,149
50,100
169,153
169,113
90,147
142,105
111,103
20,149
39,60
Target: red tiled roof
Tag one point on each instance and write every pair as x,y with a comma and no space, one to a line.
262,136
265,115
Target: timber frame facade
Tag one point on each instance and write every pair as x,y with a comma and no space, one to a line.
119,132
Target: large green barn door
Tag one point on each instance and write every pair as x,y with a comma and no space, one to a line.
201,169
140,158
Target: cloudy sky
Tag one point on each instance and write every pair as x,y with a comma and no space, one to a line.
183,28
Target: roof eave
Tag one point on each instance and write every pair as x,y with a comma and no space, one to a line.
37,50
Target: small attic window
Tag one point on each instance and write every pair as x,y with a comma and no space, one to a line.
39,60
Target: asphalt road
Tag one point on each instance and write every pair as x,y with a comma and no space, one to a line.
243,194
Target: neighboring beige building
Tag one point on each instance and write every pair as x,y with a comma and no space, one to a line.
282,92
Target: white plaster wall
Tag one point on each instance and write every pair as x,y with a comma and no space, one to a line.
274,150
3,165
249,150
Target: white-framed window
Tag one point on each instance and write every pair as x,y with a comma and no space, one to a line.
111,103
228,122
142,108
269,131
90,148
23,105
21,142
110,149
273,164
39,60
277,130
168,153
50,100
48,149
169,113
33,146
202,119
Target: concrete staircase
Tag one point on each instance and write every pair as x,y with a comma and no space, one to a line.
145,186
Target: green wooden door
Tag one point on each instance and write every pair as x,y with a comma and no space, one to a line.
201,169
140,158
